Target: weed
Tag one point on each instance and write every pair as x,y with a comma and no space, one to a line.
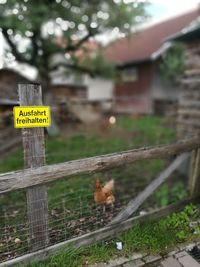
165,195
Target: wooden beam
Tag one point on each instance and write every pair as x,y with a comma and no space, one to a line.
191,122
189,104
98,235
135,203
34,156
189,112
194,179
191,81
45,174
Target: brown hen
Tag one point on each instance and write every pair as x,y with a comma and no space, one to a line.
103,195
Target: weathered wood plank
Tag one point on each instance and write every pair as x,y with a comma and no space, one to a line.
135,203
45,174
189,122
194,180
34,156
189,104
189,112
102,234
191,81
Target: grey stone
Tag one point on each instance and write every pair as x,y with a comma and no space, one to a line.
151,258
170,262
188,261
134,263
180,254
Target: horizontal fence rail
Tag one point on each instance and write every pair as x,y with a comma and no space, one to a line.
45,174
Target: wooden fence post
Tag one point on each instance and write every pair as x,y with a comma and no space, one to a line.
194,179
34,156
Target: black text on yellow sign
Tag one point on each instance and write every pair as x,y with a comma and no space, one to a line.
30,117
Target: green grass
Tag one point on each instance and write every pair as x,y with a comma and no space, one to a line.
145,131
150,237
149,130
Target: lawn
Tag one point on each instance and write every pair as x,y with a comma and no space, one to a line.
127,133
72,211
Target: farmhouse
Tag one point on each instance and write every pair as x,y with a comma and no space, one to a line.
139,87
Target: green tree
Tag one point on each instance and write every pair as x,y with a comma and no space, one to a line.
40,21
173,65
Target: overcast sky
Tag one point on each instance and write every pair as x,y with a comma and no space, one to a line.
162,9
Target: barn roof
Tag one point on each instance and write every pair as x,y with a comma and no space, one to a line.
187,34
148,43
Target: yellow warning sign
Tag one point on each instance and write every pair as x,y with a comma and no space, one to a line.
30,117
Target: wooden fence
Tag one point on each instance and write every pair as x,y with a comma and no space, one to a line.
37,175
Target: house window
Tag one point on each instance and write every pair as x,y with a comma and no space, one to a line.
130,75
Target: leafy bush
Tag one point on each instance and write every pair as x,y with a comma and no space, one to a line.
173,63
